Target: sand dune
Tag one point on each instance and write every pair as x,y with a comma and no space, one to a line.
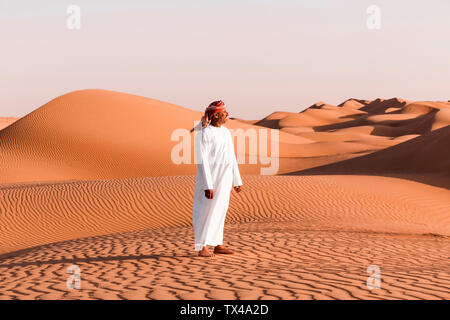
442,119
316,115
99,134
92,134
434,156
88,179
388,126
379,106
353,103
373,125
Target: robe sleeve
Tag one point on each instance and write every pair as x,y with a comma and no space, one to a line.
201,150
237,181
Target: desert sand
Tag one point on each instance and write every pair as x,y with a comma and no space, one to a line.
87,180
6,121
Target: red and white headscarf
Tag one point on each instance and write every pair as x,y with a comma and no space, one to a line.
213,108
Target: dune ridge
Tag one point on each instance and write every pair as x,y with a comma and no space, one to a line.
6,121
126,136
95,134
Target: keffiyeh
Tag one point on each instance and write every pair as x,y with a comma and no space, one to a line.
213,108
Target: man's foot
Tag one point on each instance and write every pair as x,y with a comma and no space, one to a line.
205,253
221,249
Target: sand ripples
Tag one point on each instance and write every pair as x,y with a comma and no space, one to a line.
272,261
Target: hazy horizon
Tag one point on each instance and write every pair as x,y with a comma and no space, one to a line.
258,56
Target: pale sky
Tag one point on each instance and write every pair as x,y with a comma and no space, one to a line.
258,56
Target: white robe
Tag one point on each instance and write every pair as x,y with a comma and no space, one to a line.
217,169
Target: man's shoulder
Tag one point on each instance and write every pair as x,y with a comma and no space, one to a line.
208,128
226,128
228,132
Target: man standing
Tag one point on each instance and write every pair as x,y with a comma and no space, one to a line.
217,173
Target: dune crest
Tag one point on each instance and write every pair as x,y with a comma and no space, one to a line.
101,134
6,121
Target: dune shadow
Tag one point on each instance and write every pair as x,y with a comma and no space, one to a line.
357,116
268,123
379,106
356,122
426,178
412,160
387,128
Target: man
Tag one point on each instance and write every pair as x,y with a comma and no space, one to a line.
217,173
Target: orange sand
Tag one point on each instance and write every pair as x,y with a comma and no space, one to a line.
87,179
6,121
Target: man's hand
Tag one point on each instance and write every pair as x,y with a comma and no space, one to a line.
237,189
209,194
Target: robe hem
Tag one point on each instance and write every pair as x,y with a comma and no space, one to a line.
199,247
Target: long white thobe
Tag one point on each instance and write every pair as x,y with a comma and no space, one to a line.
217,170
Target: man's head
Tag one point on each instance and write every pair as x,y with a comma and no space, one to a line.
217,113
219,118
